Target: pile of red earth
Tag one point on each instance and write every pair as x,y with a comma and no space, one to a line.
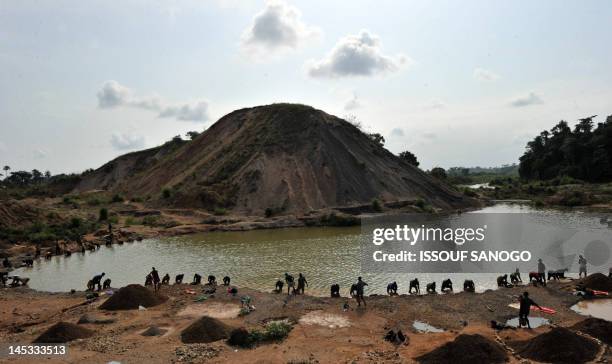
132,296
559,345
598,282
205,330
63,332
466,349
595,327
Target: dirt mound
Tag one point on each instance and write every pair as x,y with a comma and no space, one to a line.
595,327
239,337
132,296
559,345
282,158
466,349
93,319
598,282
154,331
63,332
205,330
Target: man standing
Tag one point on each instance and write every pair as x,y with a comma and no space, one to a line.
582,262
290,283
155,278
359,288
541,272
302,283
525,307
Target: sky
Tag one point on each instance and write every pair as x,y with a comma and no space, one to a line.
458,83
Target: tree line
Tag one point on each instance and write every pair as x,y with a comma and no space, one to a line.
583,153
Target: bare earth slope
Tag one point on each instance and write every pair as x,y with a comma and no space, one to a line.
285,157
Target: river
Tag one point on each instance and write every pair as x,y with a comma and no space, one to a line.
255,259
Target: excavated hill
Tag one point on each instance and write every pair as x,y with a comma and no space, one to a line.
282,157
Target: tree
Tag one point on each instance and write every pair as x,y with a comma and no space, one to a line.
409,157
584,153
377,138
6,169
438,172
19,178
192,135
37,176
47,175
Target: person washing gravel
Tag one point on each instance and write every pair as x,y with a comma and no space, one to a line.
525,307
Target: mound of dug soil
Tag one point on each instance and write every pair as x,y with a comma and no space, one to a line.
283,158
598,282
466,349
132,296
239,337
63,332
595,327
205,330
154,331
559,345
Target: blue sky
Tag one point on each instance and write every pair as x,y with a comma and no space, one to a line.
458,83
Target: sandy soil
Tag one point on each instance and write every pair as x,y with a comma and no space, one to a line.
322,331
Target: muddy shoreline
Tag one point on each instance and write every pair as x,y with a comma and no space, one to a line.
322,331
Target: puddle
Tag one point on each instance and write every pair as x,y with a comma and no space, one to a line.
324,319
216,310
533,322
601,308
425,327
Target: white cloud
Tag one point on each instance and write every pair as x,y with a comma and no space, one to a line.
352,103
197,111
530,99
39,154
397,132
113,94
482,74
276,28
127,141
436,105
356,55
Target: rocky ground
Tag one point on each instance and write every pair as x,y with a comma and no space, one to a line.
322,331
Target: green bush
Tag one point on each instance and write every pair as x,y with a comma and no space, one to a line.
420,203
94,201
376,206
219,211
103,215
117,198
269,212
334,219
75,222
166,193
277,330
469,192
150,220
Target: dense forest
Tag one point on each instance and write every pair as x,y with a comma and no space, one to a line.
584,153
